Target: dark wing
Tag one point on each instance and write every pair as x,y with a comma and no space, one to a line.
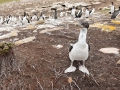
90,11
89,46
76,14
80,14
71,47
115,14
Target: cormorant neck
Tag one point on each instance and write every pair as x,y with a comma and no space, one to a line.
55,16
83,34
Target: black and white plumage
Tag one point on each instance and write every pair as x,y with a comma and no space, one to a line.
88,13
73,11
79,13
112,8
55,12
34,18
25,20
80,50
116,13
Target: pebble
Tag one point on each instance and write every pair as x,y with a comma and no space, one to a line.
118,62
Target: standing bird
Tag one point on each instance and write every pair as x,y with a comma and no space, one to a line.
112,8
116,13
92,11
34,17
87,13
80,50
55,13
73,11
79,13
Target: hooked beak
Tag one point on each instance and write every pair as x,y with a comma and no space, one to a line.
79,25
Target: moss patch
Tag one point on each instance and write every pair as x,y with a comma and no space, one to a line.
6,1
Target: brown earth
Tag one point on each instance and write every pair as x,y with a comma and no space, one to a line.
39,66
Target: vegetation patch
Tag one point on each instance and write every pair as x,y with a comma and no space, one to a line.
6,1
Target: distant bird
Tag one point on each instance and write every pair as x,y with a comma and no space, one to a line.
34,18
73,11
79,13
61,14
1,20
92,11
80,50
112,8
25,20
88,13
55,13
116,13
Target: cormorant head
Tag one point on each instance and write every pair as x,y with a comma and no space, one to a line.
73,7
119,7
84,24
112,3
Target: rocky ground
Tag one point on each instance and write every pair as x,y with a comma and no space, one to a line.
40,64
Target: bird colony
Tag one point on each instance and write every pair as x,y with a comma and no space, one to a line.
62,15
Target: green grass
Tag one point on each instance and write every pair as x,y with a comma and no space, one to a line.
6,1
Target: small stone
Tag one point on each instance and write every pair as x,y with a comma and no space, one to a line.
118,62
110,50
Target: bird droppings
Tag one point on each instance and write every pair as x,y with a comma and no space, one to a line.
26,40
110,50
103,27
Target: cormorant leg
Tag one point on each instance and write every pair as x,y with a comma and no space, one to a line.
71,68
83,68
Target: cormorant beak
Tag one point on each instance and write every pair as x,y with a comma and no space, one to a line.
79,25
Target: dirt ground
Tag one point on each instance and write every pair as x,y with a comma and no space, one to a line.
39,66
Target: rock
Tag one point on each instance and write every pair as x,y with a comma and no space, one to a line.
83,4
26,40
57,46
110,50
33,11
39,22
103,8
118,62
45,26
96,3
96,0
69,6
35,31
8,35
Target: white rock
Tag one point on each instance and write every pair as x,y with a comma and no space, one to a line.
26,40
110,50
8,35
118,62
96,3
57,46
35,31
